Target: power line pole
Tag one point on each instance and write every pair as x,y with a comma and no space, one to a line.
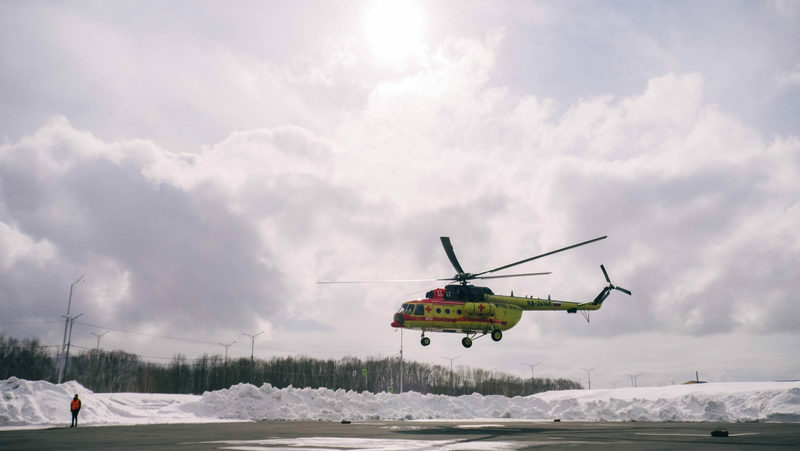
589,375
452,385
98,339
62,360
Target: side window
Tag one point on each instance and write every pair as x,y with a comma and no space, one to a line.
438,310
419,310
408,308
447,311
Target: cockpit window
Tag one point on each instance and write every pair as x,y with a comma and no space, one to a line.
419,310
408,308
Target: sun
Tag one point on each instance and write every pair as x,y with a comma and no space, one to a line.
394,29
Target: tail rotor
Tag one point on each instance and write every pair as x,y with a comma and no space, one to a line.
607,290
610,285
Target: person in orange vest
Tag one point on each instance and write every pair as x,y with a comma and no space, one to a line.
75,407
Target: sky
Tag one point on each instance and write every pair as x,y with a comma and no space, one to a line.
204,164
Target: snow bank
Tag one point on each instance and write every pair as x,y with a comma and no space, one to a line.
42,403
39,403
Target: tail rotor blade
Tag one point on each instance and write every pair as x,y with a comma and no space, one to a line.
611,285
623,290
605,273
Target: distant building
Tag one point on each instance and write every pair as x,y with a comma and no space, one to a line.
696,379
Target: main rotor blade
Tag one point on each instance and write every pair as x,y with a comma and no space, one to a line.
448,249
540,256
515,275
327,282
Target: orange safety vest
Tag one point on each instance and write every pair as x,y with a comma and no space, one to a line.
76,404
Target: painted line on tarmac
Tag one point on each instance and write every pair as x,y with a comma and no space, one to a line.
339,443
677,434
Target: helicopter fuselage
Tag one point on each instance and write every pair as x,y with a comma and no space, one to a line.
457,309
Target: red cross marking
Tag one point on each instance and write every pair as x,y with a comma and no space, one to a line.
480,307
428,309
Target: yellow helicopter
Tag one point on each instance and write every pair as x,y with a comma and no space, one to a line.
476,311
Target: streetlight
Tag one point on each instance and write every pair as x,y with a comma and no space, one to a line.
252,343
452,386
532,365
98,338
69,340
401,360
225,373
66,326
589,374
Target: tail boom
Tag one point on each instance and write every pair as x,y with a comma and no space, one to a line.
536,304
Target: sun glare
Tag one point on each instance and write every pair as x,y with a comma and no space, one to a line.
394,29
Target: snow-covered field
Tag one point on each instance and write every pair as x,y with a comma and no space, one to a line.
42,404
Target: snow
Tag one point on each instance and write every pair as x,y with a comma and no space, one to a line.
43,404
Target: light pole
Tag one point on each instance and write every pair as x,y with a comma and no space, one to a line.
62,363
69,340
532,365
226,349
252,343
225,372
589,375
98,339
401,360
452,386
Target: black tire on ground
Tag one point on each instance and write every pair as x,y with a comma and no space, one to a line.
497,335
425,341
466,341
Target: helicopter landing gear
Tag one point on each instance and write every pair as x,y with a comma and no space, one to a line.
497,335
424,341
466,341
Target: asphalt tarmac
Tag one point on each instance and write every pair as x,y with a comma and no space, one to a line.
380,435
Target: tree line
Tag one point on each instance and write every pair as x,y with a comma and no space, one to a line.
120,371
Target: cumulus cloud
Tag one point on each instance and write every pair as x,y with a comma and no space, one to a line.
165,255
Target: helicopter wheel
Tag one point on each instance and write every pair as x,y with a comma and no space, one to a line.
425,341
466,341
497,335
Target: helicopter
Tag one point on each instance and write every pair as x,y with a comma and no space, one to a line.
476,311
